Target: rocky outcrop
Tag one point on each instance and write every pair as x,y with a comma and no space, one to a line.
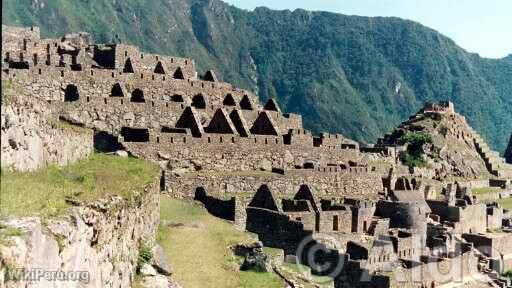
101,239
32,138
455,149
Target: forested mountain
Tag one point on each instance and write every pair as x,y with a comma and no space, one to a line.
359,76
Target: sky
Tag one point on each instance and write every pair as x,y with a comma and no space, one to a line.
479,26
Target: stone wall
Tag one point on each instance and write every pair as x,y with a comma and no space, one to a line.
33,137
357,186
102,238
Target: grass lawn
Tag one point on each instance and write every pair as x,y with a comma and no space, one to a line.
485,190
197,245
506,203
43,192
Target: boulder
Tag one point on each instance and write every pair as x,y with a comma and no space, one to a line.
160,261
122,153
147,270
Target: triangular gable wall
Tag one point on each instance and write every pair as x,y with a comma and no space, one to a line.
240,124
178,74
159,68
246,103
210,76
221,123
189,119
264,125
128,66
271,105
264,199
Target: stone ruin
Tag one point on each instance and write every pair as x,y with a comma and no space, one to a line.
252,164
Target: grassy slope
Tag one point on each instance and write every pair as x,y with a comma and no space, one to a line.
43,192
198,248
341,72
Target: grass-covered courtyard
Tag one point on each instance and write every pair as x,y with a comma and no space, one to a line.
44,192
197,245
506,203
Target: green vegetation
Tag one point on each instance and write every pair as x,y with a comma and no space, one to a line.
197,245
508,274
485,190
300,269
506,203
356,75
6,85
485,193
145,256
414,156
50,191
7,232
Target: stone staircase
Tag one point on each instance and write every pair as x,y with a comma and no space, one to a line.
495,164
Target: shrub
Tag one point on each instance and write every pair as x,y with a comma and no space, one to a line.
413,157
145,256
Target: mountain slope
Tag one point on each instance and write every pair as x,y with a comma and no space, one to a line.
356,75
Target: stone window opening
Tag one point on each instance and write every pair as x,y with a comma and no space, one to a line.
36,58
298,219
71,93
335,223
135,135
177,98
137,96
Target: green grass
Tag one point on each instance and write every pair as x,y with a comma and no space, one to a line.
7,232
251,279
506,203
298,269
197,244
44,192
485,190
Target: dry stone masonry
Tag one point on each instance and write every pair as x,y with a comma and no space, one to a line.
252,164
